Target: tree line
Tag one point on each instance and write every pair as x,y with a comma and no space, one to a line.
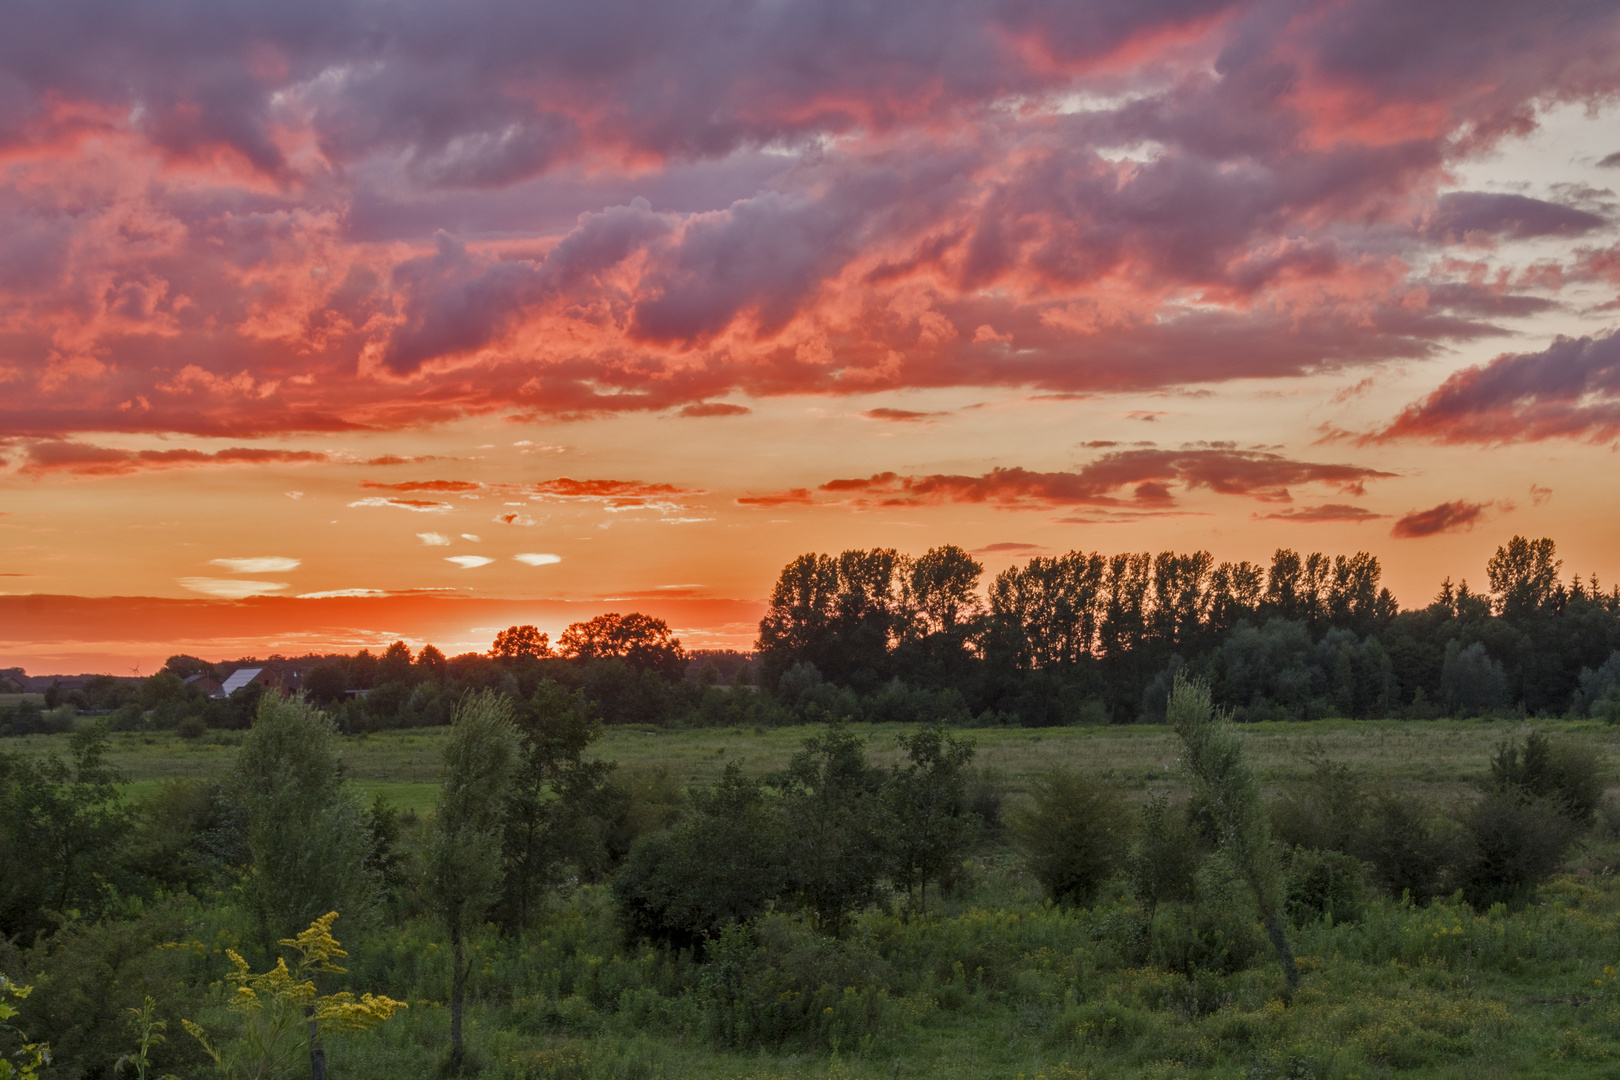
1087,637
1075,638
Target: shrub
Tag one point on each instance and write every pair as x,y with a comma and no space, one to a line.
1073,835
1325,883
1514,843
1165,858
722,865
192,727
1404,847
1566,774
1326,813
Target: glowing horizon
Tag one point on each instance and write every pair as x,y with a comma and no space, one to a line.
332,311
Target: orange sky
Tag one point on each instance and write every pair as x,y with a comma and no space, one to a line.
419,330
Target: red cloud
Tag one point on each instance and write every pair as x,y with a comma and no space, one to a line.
1326,512
1259,475
443,487
901,416
1571,389
715,408
1458,516
615,494
791,497
84,459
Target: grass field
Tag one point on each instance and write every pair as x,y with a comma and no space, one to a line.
1442,758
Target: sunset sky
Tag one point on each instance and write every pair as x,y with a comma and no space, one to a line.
323,324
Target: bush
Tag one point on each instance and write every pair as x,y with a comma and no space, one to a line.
1325,883
1073,835
1513,843
1327,813
192,727
722,865
1404,847
1219,931
1567,774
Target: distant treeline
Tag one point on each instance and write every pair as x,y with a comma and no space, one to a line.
1076,638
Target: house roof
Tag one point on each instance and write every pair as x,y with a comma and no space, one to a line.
239,678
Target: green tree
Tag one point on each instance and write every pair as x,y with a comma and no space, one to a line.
838,841
1072,834
548,816
1213,754
724,864
464,853
67,824
307,828
926,797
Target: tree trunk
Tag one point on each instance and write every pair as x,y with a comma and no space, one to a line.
317,1052
1285,955
458,987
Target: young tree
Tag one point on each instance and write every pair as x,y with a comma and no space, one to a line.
1213,754
464,853
840,828
307,828
546,816
926,799
1072,834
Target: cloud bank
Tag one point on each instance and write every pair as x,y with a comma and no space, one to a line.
256,218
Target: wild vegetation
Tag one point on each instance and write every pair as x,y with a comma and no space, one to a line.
555,896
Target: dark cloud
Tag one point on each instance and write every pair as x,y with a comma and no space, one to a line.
1457,516
442,487
1610,161
1516,217
1007,547
1571,389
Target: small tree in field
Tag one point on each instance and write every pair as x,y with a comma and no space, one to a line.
307,829
464,853
926,797
1213,754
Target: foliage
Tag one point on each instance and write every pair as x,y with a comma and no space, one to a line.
25,1062
840,827
148,1035
1213,756
639,640
1567,774
1073,835
927,799
464,855
724,864
307,832
282,1013
68,824
551,815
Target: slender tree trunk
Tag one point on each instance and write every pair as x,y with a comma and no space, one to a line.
458,987
317,1052
1285,955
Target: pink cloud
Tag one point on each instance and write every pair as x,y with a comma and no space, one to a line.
1457,516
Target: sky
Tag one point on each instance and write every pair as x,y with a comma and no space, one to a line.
323,324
